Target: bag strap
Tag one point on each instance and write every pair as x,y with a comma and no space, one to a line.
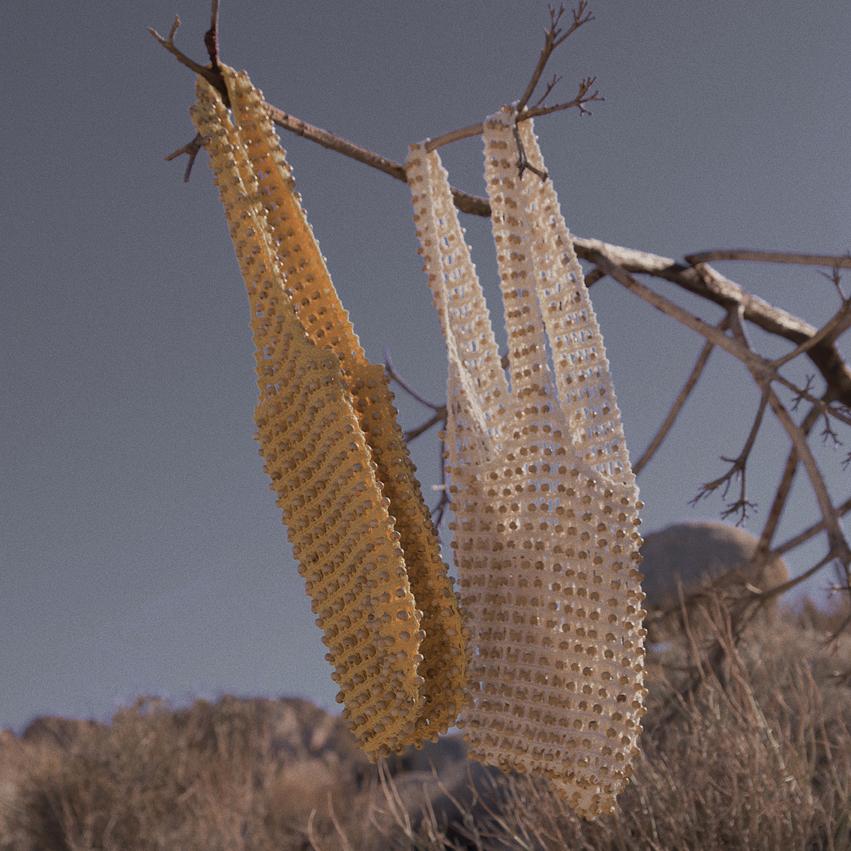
474,362
308,281
582,373
531,378
273,317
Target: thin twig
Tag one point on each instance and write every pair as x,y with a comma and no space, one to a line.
737,471
394,376
523,163
593,276
548,89
831,330
785,487
679,402
211,37
838,544
841,414
835,278
763,597
842,261
437,417
439,510
190,149
585,94
554,37
212,76
811,531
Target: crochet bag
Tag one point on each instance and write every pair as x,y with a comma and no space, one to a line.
544,501
328,433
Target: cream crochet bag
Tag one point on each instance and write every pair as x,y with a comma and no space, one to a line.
546,508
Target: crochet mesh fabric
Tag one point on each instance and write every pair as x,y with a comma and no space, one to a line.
332,446
544,500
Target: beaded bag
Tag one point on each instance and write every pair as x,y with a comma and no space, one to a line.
545,504
329,436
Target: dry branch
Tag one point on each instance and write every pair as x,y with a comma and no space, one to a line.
694,276
679,402
784,488
749,254
737,472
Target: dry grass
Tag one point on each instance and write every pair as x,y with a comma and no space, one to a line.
759,757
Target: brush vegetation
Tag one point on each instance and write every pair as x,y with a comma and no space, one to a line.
758,756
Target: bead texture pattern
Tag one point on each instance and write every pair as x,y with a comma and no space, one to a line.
328,432
545,505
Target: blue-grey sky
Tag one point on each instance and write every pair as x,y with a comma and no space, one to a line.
140,547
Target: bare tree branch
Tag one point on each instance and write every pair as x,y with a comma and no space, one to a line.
842,261
709,284
712,333
679,402
737,471
554,37
694,276
703,280
811,531
785,486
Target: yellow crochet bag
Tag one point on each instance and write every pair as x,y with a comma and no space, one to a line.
329,436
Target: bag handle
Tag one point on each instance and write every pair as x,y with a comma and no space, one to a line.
316,301
531,377
260,265
582,372
474,362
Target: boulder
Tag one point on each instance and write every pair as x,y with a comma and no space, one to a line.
703,556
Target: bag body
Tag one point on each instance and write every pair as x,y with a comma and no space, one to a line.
545,531
332,446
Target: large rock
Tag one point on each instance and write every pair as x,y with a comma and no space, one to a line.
700,556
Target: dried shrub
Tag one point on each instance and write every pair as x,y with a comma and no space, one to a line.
757,757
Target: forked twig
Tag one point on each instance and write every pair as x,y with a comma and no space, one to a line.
190,149
738,471
554,37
